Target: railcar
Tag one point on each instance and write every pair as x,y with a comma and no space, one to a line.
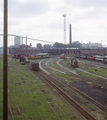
35,66
93,57
74,63
42,55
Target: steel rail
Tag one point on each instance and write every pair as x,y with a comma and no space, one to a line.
48,103
97,104
32,96
15,98
84,113
55,102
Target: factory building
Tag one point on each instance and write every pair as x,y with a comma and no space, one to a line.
17,41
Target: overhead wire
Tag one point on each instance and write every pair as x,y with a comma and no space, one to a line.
28,38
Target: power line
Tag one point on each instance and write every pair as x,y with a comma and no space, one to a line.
28,38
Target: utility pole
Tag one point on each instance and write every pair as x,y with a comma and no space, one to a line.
64,15
5,63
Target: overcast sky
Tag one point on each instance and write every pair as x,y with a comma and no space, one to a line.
42,19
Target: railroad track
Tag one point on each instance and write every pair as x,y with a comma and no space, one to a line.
82,71
78,108
55,102
16,100
92,63
26,97
97,104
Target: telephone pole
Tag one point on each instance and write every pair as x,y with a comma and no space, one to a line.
5,63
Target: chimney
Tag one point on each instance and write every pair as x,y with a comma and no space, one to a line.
70,36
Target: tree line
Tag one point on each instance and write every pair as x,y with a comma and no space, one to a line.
74,44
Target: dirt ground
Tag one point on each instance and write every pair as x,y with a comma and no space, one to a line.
95,89
97,93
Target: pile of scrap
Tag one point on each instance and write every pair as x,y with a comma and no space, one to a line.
19,52
23,59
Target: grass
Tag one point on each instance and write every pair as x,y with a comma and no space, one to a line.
53,65
1,64
94,70
28,91
33,96
64,62
87,75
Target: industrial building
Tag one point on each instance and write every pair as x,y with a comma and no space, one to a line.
17,41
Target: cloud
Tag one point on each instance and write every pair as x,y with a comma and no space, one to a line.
28,8
43,19
86,3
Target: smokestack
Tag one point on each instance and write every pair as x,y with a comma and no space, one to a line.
70,36
26,40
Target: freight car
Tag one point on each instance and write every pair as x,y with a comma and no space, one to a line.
35,66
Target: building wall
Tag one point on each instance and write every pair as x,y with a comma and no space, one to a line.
17,41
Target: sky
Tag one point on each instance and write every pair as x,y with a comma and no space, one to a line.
43,19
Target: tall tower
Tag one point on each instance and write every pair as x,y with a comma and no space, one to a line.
70,36
64,15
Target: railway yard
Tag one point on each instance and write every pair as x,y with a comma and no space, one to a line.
57,91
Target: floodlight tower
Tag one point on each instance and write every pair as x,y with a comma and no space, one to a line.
64,15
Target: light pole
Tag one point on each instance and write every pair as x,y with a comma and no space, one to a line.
64,15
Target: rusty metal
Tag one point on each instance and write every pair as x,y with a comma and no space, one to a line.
5,63
73,103
35,66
